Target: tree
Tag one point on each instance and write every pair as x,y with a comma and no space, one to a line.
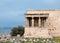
17,30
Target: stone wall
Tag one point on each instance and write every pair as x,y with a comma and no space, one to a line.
54,22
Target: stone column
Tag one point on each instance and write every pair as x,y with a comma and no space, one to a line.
32,22
39,21
27,22
46,22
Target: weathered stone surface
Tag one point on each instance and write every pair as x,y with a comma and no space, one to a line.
52,29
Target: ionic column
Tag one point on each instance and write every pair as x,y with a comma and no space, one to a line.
27,22
39,22
32,22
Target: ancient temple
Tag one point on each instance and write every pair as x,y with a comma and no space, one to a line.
42,23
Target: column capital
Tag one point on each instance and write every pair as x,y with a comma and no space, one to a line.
32,17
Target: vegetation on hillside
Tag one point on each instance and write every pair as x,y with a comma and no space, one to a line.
17,30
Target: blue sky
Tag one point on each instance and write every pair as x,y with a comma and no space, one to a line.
12,11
